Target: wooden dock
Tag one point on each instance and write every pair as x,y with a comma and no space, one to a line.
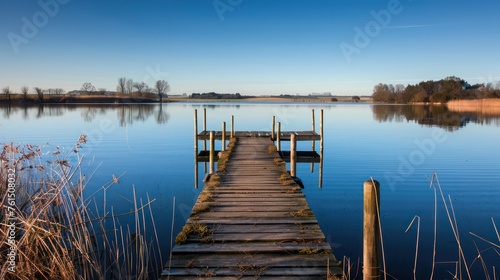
284,135
252,221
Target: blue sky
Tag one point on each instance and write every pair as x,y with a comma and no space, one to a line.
247,46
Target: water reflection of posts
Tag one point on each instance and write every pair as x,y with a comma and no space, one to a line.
371,230
293,155
195,148
212,152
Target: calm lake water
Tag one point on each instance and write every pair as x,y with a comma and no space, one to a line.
151,148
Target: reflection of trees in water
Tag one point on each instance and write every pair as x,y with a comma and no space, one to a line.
431,115
127,113
162,116
90,113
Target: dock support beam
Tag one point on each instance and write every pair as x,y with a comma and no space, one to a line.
195,148
223,136
212,152
232,126
293,155
321,148
273,135
196,131
278,137
371,230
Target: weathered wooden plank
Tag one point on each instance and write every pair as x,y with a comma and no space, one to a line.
253,221
254,247
260,237
275,260
245,215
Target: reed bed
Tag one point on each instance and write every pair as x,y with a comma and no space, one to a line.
486,107
60,233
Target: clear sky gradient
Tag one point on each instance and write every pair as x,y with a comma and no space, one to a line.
255,47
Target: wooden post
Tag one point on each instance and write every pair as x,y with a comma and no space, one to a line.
223,136
278,137
273,136
232,126
204,141
195,148
321,129
212,152
371,231
321,148
313,142
196,131
293,155
204,119
312,118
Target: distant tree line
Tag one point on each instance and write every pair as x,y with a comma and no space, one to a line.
441,91
126,87
214,95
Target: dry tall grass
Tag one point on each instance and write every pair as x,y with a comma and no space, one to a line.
57,236
486,107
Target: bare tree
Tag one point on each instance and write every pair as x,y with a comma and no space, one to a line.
58,91
39,92
24,91
129,87
6,91
140,87
102,91
88,88
120,89
162,87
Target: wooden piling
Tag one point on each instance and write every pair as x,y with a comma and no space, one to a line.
223,136
273,135
196,131
195,148
293,155
371,230
312,118
313,142
321,148
278,137
232,126
204,119
212,152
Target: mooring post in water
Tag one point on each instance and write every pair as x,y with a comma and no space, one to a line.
204,141
232,126
313,142
196,131
273,135
204,119
195,148
293,155
321,148
371,230
223,136
212,152
278,137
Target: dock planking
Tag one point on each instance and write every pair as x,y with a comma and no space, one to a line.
247,224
